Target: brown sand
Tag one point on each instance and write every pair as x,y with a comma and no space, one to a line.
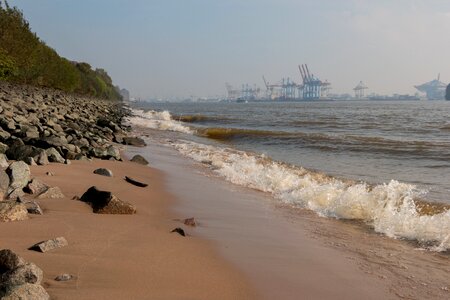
120,256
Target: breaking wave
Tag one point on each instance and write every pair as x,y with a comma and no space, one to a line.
393,208
161,120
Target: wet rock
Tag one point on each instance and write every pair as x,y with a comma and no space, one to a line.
64,277
180,231
51,193
54,156
139,159
48,245
3,161
104,202
33,208
30,161
36,187
12,211
103,172
19,174
135,182
9,260
134,141
25,291
113,152
190,222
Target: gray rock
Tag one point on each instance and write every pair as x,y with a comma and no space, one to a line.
9,260
27,273
3,161
48,245
4,135
103,172
51,193
12,211
139,159
36,187
54,141
42,158
113,152
64,277
3,148
33,208
15,194
54,156
25,291
104,202
134,141
18,151
19,174
4,181
30,161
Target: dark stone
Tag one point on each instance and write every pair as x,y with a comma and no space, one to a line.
48,245
135,182
33,208
179,230
104,202
9,260
26,291
64,277
27,273
134,141
139,159
103,172
17,151
190,222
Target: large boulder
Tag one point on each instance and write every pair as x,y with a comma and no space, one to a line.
27,273
12,211
19,174
51,193
3,161
4,181
9,260
36,187
17,151
48,245
27,291
54,155
103,172
104,202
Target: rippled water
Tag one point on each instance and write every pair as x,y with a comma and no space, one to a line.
380,162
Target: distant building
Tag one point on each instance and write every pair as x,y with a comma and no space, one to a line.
435,89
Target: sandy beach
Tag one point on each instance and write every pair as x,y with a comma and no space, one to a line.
120,256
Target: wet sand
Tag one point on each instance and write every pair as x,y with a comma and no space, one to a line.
295,254
120,256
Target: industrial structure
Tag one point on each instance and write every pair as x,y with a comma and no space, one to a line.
245,93
313,88
360,90
435,89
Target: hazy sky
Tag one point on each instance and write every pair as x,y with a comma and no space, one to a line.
192,47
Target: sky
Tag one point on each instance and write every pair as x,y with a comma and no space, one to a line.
184,48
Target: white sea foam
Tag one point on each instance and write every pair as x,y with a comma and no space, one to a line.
389,207
161,120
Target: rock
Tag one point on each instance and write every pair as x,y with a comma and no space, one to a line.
190,222
49,174
15,194
3,161
27,273
179,230
4,181
12,211
54,156
18,151
53,141
104,202
51,193
103,172
135,182
48,245
113,152
25,291
33,208
3,148
139,159
42,158
134,141
67,162
4,135
9,260
36,187
19,174
30,161
63,277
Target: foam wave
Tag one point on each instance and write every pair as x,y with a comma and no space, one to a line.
391,208
157,120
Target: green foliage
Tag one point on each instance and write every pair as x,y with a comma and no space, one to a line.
24,58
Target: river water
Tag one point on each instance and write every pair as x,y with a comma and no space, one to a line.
384,163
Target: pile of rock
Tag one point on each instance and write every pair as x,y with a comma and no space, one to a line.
41,125
19,279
